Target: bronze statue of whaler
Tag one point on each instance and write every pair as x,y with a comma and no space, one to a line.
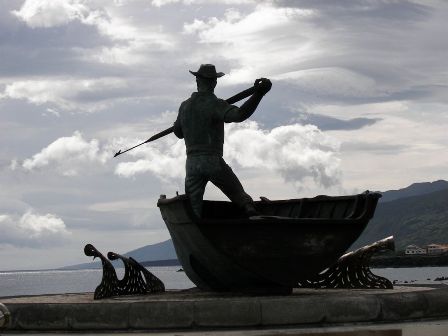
200,123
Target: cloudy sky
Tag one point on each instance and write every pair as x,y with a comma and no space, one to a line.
359,101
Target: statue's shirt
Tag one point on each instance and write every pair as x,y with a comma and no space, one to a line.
201,123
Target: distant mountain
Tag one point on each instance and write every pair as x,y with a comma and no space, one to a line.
415,189
160,251
417,214
160,254
420,220
169,262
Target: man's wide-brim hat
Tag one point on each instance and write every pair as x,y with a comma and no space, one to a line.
207,71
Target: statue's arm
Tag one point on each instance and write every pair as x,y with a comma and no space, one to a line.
235,114
177,129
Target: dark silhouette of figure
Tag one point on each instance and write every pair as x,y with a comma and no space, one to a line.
200,123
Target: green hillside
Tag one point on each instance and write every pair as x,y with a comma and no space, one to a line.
420,219
415,189
416,220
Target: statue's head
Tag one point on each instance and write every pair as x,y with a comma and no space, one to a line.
206,77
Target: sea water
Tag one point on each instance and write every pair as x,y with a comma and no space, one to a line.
79,281
76,281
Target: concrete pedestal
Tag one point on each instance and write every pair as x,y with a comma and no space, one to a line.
192,309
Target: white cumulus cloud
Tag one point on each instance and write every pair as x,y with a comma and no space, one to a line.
160,3
43,13
295,152
67,155
32,230
253,41
165,160
109,22
69,94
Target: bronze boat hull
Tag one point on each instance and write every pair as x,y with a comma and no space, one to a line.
291,241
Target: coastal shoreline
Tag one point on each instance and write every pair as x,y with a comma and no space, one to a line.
399,261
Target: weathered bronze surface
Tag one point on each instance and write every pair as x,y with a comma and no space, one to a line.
352,270
292,240
109,282
234,99
132,283
200,123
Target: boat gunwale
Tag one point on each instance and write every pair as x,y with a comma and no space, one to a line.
318,198
349,219
286,221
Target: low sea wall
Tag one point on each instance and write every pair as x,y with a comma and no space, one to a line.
192,309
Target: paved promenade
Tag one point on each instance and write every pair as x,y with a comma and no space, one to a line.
195,310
